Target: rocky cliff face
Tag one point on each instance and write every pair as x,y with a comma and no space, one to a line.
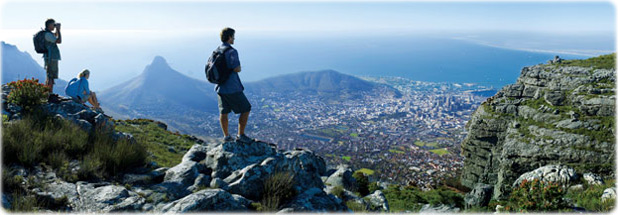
555,113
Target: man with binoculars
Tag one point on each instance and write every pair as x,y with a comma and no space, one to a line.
53,54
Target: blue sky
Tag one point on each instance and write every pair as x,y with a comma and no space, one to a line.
120,38
565,17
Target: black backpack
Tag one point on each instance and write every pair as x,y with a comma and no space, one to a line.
39,42
216,67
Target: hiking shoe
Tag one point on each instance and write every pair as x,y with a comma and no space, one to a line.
228,139
243,138
53,98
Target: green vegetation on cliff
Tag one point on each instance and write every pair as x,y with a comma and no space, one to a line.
55,142
601,62
167,148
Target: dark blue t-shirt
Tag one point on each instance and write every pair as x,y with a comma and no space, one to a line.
233,84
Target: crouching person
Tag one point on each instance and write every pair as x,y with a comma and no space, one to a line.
79,90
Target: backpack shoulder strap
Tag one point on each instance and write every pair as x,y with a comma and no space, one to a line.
225,49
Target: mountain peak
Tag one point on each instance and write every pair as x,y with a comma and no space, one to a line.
159,61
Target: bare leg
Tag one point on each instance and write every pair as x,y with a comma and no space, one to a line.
93,100
224,123
50,84
242,122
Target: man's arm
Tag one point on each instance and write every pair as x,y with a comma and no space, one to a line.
237,69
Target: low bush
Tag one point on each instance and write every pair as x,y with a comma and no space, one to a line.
356,207
278,188
338,191
590,197
116,157
362,183
33,140
536,196
27,93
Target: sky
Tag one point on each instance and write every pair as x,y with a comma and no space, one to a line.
103,33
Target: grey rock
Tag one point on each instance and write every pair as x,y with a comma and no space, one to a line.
219,183
58,193
228,157
479,196
6,204
201,181
315,200
109,198
378,201
343,177
555,98
83,124
561,174
103,122
180,177
609,193
593,179
196,153
576,188
503,143
208,200
430,209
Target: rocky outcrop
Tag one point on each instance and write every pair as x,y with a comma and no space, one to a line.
208,200
479,196
563,175
553,114
342,177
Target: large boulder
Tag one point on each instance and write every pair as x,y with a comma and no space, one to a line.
479,196
343,177
609,193
303,164
377,201
561,174
315,200
228,157
179,178
593,179
107,198
433,209
208,200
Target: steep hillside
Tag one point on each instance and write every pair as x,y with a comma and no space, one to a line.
556,113
17,65
327,84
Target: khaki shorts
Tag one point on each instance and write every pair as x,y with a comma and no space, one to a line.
51,66
236,102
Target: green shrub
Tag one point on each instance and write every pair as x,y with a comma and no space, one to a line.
57,159
444,196
373,187
590,197
601,62
536,195
32,140
10,183
362,183
338,191
27,93
356,207
116,157
23,202
278,188
157,140
90,167
404,199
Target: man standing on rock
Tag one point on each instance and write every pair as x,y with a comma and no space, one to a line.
230,93
53,55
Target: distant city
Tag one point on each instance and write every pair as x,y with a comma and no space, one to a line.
410,139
